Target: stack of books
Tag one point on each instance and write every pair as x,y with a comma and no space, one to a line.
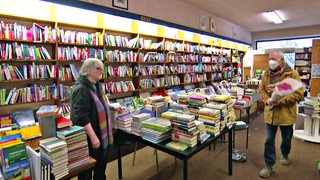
124,122
63,122
180,108
202,136
197,101
169,113
157,104
184,129
183,98
226,100
53,153
136,122
14,159
223,112
211,118
77,146
155,129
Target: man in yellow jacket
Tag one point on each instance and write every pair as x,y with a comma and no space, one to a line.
283,112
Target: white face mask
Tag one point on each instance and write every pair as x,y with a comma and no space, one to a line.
273,64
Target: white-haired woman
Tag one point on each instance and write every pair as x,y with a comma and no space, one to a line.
90,109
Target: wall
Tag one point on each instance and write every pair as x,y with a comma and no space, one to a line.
285,33
179,12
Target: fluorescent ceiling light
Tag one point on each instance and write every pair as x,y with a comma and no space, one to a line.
273,16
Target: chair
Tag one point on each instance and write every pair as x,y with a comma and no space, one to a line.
241,125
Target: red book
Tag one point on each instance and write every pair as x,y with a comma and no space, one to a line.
63,122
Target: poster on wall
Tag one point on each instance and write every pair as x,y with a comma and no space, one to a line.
315,71
123,4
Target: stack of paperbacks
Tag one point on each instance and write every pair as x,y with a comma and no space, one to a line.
14,160
155,129
184,129
183,98
53,152
136,122
196,101
223,112
77,146
211,118
202,136
226,100
124,122
180,108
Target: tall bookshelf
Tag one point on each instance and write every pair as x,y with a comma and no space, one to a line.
137,61
303,65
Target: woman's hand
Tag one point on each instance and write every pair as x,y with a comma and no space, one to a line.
95,143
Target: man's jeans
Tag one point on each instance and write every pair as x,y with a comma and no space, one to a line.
269,145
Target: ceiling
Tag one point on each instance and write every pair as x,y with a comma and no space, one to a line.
249,13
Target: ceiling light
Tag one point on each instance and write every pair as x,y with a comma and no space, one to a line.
273,16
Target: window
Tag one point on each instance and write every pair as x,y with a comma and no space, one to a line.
285,43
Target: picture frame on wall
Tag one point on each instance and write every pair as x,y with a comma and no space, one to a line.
212,24
203,22
123,4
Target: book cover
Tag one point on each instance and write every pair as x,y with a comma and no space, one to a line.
52,144
13,154
64,133
157,124
176,145
23,118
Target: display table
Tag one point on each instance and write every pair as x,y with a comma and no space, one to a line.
182,155
310,131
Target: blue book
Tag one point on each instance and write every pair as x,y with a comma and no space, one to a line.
23,118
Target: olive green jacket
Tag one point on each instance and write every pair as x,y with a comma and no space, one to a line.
285,112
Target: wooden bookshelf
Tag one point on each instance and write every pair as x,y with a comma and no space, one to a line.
220,63
315,59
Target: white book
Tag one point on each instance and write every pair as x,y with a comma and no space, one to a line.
35,163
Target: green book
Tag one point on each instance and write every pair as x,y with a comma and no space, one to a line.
158,124
4,93
180,146
14,153
63,134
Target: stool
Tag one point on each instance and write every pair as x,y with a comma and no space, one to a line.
234,134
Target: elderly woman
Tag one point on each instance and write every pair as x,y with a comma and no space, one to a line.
90,109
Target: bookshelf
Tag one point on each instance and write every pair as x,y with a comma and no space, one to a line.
47,55
303,65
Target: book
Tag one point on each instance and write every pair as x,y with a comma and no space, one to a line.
35,163
52,144
64,133
63,122
47,110
158,124
176,145
23,118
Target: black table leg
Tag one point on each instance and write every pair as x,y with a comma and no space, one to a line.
230,152
119,158
185,169
248,113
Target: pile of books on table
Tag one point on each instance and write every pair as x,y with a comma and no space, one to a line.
196,101
54,156
202,136
155,129
211,118
136,122
184,129
183,98
124,122
77,146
